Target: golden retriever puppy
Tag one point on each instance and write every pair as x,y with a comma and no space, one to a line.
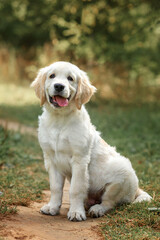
100,177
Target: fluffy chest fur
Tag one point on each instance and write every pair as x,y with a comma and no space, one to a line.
62,138
54,140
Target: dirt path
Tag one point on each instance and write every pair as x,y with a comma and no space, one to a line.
28,223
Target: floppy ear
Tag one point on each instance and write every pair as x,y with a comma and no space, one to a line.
38,85
85,90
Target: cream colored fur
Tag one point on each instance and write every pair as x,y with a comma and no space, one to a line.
73,149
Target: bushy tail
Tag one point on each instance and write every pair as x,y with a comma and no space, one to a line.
142,196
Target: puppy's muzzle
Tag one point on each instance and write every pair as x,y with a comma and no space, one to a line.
59,98
59,87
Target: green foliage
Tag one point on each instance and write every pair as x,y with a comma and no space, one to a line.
108,31
119,40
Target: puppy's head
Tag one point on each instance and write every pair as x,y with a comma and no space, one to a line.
61,84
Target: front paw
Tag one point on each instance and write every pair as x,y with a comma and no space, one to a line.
76,216
49,210
97,211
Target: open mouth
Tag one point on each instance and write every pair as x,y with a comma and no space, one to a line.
59,101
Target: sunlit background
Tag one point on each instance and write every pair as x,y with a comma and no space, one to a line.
116,42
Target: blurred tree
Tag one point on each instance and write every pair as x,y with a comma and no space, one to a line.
105,30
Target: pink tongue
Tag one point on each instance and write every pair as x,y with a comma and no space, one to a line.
62,102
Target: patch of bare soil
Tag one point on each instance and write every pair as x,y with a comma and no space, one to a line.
29,223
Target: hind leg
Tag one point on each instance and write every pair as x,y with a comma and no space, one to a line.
111,196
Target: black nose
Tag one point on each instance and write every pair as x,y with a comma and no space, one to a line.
58,87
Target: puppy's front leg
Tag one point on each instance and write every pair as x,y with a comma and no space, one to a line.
78,191
56,186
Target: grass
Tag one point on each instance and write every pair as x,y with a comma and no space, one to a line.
133,129
20,106
25,114
22,174
131,222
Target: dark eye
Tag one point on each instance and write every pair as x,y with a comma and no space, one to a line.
70,78
52,75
